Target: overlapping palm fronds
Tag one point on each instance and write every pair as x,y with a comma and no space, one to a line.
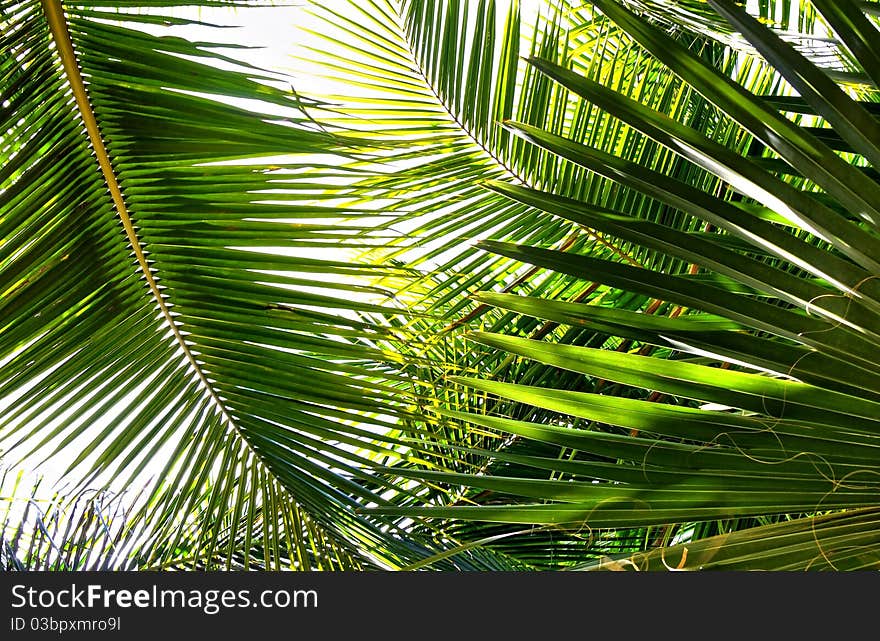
675,283
760,384
161,313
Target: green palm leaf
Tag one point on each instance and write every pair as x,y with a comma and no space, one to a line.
778,286
146,326
669,259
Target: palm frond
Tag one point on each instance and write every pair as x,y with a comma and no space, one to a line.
159,304
543,285
758,395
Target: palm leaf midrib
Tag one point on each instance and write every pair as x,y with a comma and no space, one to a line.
419,66
61,36
319,497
